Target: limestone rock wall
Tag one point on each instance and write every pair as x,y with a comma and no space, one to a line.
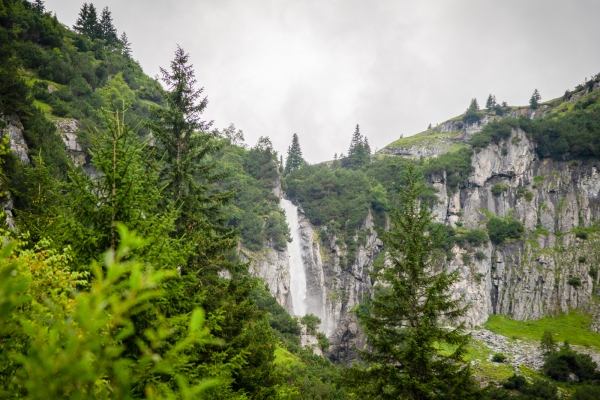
15,129
272,266
550,271
333,289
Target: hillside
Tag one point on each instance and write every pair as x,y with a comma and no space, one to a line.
73,169
147,254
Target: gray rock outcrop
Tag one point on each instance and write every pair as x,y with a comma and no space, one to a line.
272,266
15,129
68,132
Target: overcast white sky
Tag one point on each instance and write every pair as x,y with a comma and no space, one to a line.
319,67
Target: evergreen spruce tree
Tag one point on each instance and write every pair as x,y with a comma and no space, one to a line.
471,113
547,344
126,191
82,18
87,22
359,152
107,29
124,45
491,102
189,177
294,157
38,6
92,27
534,101
405,323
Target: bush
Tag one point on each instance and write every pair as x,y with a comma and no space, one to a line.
499,358
538,389
515,382
498,188
502,229
457,166
565,363
476,237
524,192
586,393
495,131
574,281
323,342
311,322
466,258
480,255
582,232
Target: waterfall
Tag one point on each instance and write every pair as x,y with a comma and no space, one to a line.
297,273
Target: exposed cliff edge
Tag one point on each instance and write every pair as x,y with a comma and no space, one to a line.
550,271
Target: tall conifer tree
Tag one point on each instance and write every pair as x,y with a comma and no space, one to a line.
189,177
491,102
359,152
107,29
294,155
471,113
82,18
406,320
534,101
124,45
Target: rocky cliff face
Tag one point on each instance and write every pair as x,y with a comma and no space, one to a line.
67,128
333,289
272,266
551,271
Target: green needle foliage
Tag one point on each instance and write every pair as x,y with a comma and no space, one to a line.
125,190
412,353
294,157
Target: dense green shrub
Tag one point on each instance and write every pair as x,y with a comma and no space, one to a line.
582,232
586,392
499,358
498,188
503,229
252,174
461,236
518,388
559,365
480,255
524,192
457,166
311,322
278,317
495,132
575,133
323,342
574,281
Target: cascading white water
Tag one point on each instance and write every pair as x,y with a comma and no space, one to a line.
297,273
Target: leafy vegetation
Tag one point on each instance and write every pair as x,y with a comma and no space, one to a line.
503,229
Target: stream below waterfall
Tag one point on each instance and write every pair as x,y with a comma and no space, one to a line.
297,272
